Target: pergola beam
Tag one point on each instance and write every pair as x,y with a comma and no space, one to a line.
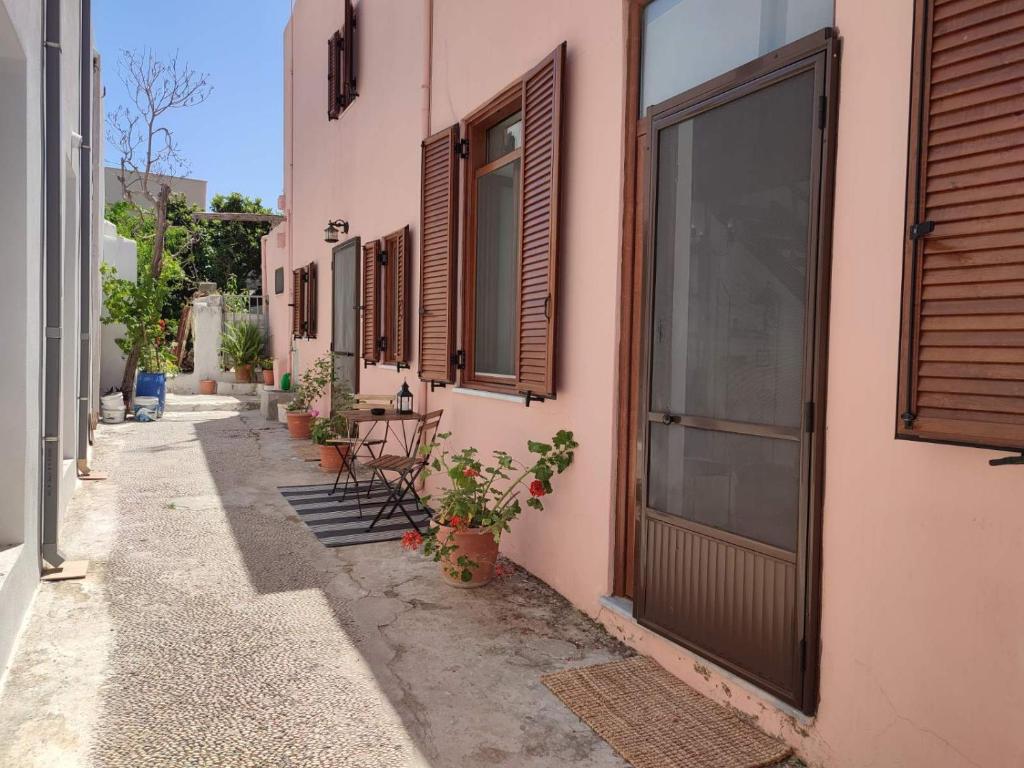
259,218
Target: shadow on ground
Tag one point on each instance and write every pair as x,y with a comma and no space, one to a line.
238,639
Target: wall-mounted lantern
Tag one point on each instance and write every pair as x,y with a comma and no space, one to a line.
331,233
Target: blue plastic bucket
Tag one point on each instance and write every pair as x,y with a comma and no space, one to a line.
153,385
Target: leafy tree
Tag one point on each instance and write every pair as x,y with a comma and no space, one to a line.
147,148
233,247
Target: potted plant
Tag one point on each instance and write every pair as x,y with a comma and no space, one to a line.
267,367
323,428
241,344
312,384
478,502
156,360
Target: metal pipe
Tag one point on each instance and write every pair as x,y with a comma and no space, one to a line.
85,239
52,279
427,85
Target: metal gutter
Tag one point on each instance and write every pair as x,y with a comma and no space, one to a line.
85,238
52,280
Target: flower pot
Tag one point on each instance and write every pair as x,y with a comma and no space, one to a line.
207,387
478,545
243,374
299,423
268,376
330,458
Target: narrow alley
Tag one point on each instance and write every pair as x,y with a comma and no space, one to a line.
213,629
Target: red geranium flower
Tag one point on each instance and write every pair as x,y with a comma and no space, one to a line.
411,540
470,472
456,522
537,488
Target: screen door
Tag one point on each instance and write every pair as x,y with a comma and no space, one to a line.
345,302
732,287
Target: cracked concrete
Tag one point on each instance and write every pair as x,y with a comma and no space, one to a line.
214,630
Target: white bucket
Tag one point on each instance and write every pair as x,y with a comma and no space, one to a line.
146,408
112,415
112,401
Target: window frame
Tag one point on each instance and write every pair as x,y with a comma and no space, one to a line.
475,127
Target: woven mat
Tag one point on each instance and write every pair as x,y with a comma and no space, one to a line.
654,720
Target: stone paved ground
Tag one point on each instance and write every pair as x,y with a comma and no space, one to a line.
214,630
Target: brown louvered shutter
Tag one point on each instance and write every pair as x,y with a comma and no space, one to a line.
371,313
962,340
439,197
396,245
348,57
334,76
542,123
298,301
311,300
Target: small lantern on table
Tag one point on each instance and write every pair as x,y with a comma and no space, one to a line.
403,400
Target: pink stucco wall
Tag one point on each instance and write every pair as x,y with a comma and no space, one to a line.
923,599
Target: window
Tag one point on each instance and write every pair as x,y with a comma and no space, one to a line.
510,241
677,58
494,257
386,297
395,347
304,301
334,81
962,345
279,280
341,66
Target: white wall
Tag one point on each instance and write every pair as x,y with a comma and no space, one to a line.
20,305
21,290
120,253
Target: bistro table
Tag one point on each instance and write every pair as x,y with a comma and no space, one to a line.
394,425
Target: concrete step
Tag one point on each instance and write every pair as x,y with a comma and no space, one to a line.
228,386
208,403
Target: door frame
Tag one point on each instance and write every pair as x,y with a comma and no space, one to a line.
637,245
357,242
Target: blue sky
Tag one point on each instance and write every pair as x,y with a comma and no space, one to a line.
234,139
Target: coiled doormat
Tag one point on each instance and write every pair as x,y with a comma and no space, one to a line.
655,720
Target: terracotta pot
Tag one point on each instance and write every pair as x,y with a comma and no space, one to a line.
299,423
268,376
478,545
243,374
330,459
207,387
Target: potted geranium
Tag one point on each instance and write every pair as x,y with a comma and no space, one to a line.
479,501
312,384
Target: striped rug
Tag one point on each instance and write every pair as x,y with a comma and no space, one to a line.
335,520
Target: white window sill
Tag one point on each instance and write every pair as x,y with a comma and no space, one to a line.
488,395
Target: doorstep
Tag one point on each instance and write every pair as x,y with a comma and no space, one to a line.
771,714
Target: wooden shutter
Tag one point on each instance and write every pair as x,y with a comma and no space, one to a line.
334,76
311,300
398,270
348,57
962,340
542,124
439,198
298,301
371,313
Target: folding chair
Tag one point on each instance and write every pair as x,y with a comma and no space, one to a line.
362,403
408,469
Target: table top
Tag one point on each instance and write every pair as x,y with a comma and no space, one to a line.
359,416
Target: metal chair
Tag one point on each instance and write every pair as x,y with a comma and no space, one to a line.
362,403
408,469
